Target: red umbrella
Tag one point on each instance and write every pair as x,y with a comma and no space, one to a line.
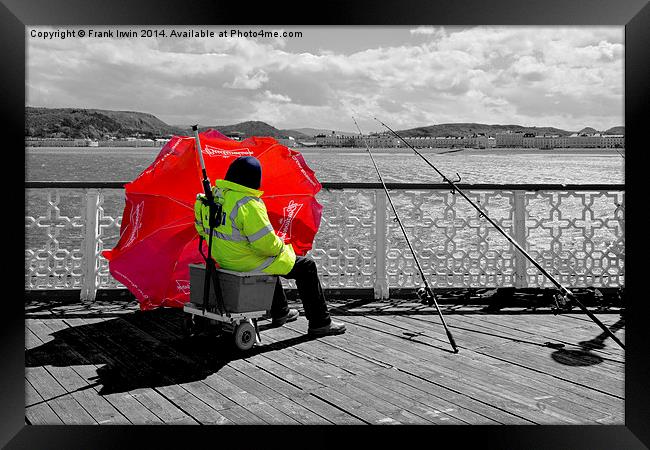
157,236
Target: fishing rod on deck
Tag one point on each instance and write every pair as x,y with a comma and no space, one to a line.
430,298
565,293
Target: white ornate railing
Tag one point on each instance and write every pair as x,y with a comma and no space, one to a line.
576,232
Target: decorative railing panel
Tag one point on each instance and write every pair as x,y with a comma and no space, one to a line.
574,232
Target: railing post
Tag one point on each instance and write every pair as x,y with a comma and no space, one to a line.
381,280
89,287
519,225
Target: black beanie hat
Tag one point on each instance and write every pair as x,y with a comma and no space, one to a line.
245,170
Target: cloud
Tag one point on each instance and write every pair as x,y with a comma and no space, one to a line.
248,81
268,95
559,76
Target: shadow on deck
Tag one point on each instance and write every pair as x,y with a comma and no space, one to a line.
110,363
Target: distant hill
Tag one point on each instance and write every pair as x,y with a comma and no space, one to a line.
93,123
257,128
468,129
588,130
616,130
98,124
78,123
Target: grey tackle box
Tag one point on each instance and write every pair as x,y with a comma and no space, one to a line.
242,291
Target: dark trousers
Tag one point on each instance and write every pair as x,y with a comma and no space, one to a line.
310,291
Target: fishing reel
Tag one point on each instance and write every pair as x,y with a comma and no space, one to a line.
425,297
215,211
562,303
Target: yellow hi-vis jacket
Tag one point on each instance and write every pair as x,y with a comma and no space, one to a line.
243,240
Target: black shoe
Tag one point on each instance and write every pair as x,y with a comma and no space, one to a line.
330,329
289,317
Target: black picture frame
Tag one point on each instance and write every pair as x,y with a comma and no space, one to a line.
15,15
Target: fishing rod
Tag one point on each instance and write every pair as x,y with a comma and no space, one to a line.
215,211
429,293
565,293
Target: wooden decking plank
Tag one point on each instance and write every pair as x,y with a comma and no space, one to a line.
265,397
415,415
242,416
507,396
126,362
576,328
488,342
364,379
245,400
588,377
40,413
352,407
164,333
290,400
38,329
572,334
266,411
271,380
454,394
393,386
298,395
70,411
261,412
607,368
532,389
31,340
373,396
161,407
65,407
461,402
209,395
79,387
327,393
294,377
44,383
215,399
508,327
193,406
498,398
436,336
610,369
563,392
298,412
124,402
169,358
419,413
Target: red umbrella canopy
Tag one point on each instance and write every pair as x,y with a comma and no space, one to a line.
157,235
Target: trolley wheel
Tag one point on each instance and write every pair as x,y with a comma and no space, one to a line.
244,336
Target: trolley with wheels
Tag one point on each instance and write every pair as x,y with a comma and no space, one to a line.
245,298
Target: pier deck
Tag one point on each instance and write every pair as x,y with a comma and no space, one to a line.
108,363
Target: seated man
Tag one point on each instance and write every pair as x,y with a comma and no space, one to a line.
244,241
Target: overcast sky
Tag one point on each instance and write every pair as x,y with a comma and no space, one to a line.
566,77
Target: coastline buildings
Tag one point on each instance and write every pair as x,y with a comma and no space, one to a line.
530,140
63,142
380,140
501,140
389,141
